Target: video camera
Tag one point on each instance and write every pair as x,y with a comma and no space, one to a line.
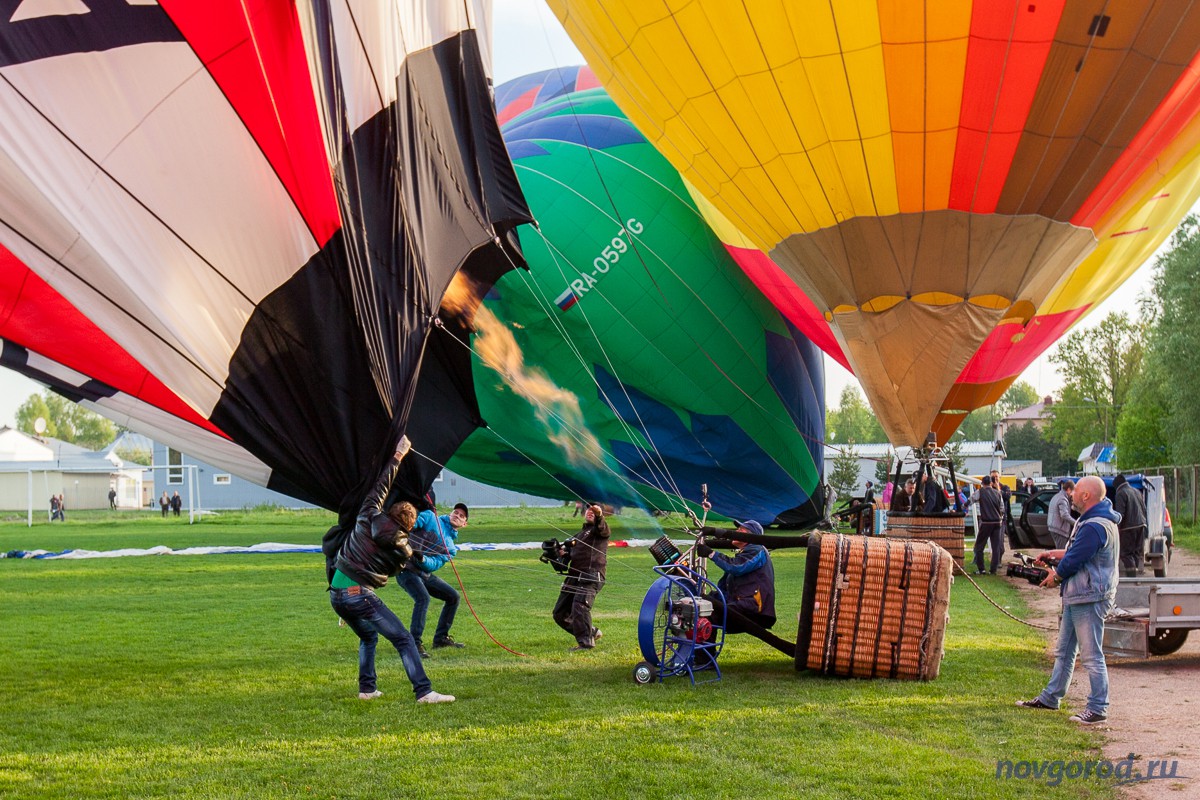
1027,568
557,554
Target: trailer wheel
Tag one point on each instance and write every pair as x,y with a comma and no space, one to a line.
644,672
1167,641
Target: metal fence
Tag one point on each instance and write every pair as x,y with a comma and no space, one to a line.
1180,484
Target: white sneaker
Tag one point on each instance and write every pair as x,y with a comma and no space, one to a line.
434,697
370,695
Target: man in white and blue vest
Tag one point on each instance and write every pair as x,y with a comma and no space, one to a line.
1087,577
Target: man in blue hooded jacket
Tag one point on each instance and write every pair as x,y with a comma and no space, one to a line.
434,538
1087,577
747,587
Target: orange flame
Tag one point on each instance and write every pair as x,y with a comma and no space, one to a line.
556,408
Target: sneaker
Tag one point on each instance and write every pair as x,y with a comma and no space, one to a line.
421,649
434,697
1035,703
581,646
1088,717
597,634
370,695
446,641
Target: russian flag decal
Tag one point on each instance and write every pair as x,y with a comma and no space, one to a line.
567,299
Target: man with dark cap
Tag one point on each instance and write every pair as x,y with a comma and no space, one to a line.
433,538
991,529
1128,502
748,587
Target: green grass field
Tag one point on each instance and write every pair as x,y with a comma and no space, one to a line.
228,677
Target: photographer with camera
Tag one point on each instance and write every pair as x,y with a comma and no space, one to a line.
585,578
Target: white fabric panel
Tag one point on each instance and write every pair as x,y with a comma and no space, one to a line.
198,443
215,200
371,35
132,413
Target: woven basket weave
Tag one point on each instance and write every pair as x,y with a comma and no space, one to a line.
874,607
945,530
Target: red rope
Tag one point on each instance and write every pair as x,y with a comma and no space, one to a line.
477,619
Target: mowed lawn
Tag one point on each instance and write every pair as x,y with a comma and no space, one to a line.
228,677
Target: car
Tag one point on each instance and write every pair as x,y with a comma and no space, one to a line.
1030,513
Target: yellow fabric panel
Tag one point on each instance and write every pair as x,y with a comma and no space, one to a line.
1181,150
763,107
1118,256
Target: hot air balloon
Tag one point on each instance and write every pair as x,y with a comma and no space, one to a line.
240,220
634,362
951,185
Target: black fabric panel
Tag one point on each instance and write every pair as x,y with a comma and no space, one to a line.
15,357
107,25
333,366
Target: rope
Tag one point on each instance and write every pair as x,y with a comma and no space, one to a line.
959,570
499,643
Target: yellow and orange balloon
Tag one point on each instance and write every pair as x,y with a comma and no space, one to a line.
933,191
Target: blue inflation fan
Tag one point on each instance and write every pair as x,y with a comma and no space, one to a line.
679,632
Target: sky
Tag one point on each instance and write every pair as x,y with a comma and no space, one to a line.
527,38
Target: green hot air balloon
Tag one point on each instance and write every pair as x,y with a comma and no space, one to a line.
652,365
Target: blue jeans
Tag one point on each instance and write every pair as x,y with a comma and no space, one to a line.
1081,631
420,587
368,617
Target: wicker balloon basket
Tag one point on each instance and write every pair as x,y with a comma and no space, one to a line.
945,530
874,607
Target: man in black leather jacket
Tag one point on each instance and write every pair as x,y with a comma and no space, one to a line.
375,549
585,578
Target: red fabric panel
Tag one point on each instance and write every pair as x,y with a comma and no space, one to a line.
257,59
787,297
1009,44
519,105
1000,357
586,79
35,316
1177,109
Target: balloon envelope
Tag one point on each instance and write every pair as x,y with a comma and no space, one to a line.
256,209
684,373
951,185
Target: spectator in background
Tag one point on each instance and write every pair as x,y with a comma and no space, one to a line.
869,494
991,518
1059,520
176,503
165,503
55,508
906,499
112,498
1128,503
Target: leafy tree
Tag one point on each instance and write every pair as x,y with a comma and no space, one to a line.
1020,395
853,420
844,475
1174,344
980,425
884,467
1099,367
953,451
65,420
135,455
33,409
1026,443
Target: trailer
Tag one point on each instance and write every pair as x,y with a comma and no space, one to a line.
1152,616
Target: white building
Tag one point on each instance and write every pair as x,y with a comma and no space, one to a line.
45,466
979,458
